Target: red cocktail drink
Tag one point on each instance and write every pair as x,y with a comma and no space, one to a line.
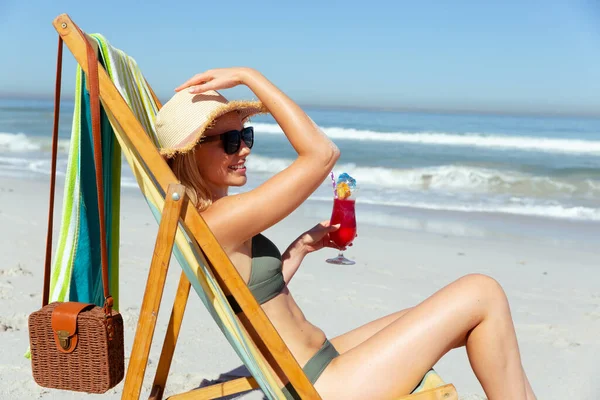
343,214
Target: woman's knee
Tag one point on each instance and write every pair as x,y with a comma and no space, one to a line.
485,288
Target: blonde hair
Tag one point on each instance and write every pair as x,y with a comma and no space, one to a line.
185,168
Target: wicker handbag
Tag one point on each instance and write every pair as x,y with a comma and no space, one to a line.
77,346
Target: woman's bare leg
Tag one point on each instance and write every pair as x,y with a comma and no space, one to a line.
391,362
528,388
353,338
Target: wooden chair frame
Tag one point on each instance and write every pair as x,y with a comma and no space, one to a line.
176,208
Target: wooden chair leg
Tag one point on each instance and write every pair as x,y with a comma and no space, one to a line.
218,390
166,355
153,293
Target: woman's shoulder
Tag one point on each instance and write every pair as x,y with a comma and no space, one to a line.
230,227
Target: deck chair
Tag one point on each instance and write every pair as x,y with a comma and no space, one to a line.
130,105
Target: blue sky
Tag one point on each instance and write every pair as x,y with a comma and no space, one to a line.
509,56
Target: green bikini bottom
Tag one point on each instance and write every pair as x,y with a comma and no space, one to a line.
317,364
314,367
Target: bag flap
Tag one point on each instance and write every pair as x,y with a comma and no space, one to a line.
64,324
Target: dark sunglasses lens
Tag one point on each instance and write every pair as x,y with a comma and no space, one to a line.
233,139
232,142
248,136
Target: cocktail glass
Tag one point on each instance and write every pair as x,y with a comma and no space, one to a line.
343,214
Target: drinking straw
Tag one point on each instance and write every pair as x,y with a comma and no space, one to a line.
333,182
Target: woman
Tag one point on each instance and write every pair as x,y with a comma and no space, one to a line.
204,139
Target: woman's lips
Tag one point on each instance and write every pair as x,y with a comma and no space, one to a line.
239,168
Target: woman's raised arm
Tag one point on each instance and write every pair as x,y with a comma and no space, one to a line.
234,219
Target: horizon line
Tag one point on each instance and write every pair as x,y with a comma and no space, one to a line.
401,109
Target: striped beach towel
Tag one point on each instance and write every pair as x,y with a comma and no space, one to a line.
76,270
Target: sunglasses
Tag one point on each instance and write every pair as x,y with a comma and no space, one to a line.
232,140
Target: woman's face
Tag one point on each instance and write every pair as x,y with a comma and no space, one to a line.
219,169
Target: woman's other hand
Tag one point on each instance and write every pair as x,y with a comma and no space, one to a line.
318,237
311,240
216,79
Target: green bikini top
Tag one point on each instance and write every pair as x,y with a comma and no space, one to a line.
266,277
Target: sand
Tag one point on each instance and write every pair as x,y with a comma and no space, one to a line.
553,287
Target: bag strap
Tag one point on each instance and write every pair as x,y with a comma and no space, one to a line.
46,291
94,90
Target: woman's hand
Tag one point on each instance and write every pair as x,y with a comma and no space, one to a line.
216,79
311,240
318,237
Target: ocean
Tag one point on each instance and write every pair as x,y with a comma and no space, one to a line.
411,167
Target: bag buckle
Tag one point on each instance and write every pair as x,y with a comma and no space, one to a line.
64,339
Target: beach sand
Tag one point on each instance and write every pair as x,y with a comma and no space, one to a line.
553,288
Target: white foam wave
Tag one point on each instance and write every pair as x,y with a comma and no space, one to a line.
546,211
31,165
526,143
266,164
20,142
448,178
536,210
16,143
459,178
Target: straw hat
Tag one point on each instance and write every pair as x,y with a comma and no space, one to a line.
182,121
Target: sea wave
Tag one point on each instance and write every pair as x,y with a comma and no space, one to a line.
451,178
34,165
545,211
405,188
556,211
20,142
525,143
17,142
462,179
